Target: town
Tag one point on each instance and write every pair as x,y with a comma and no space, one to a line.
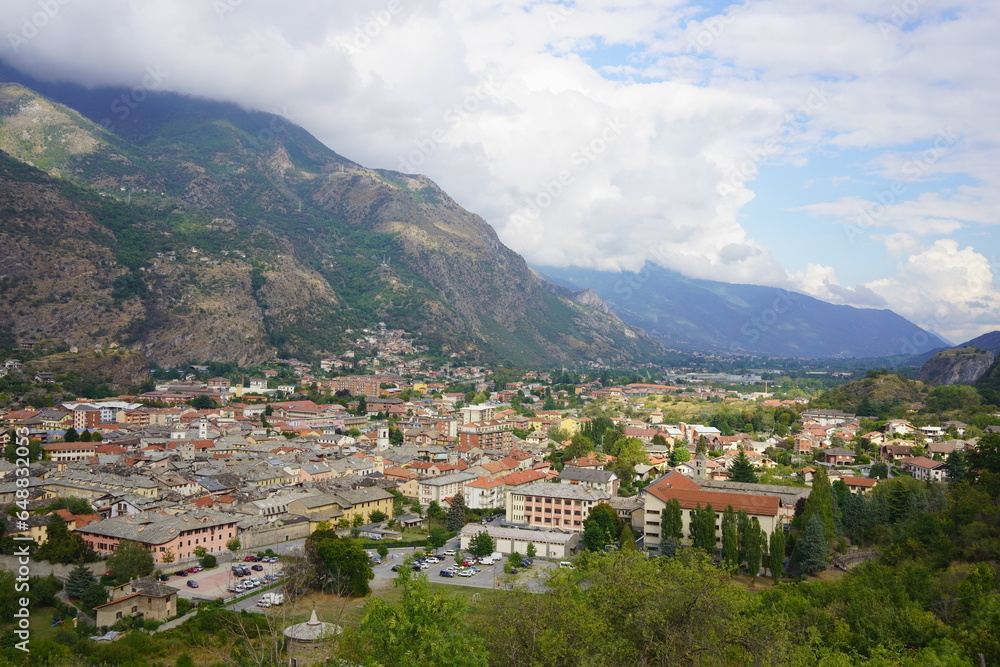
222,482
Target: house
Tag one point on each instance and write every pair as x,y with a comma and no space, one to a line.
62,452
859,484
690,495
838,456
484,493
437,489
923,468
146,597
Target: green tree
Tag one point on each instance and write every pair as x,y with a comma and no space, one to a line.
530,551
62,546
169,556
78,579
730,541
879,470
93,595
209,561
671,521
71,435
200,552
377,516
703,528
362,407
456,513
955,467
357,520
131,560
86,436
776,552
820,502
813,547
626,539
755,545
423,628
337,565
233,544
601,527
741,470
744,535
435,511
416,508
481,544
382,550
437,538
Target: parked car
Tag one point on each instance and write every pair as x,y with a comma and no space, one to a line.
449,552
164,577
466,573
182,573
257,567
446,573
395,568
250,559
192,583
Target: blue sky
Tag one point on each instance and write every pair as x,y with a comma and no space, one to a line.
745,142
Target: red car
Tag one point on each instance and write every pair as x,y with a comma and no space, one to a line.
250,559
192,570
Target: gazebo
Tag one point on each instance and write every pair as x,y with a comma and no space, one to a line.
311,631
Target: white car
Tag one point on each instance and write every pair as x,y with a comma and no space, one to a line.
449,552
433,559
466,573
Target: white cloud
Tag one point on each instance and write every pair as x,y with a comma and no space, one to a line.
530,114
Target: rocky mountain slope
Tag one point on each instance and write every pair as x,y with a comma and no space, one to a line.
958,365
198,230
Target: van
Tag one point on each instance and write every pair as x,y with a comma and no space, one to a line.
566,564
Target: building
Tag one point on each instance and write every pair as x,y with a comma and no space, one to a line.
553,505
690,495
437,489
548,543
591,478
146,597
487,435
923,468
162,533
62,452
484,493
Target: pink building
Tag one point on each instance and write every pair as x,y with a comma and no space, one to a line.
160,533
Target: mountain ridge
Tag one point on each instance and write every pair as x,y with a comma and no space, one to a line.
211,211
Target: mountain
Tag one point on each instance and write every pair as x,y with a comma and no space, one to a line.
688,313
973,362
191,229
878,393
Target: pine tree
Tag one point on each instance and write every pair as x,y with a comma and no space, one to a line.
456,513
79,578
955,466
776,551
671,521
813,547
741,470
743,536
730,541
703,528
820,502
71,435
754,553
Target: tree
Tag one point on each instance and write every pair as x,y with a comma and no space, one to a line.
813,547
776,552
743,535
423,628
755,545
78,579
435,511
382,550
703,528
601,527
671,521
62,546
203,403
437,538
377,516
416,508
93,595
456,513
86,437
131,560
357,520
741,470
233,544
820,502
514,559
209,561
679,454
955,466
481,544
71,435
338,565
879,470
200,552
730,541
362,407
530,551
626,540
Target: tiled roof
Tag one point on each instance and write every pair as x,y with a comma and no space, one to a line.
671,488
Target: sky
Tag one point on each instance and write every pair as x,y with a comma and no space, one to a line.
845,149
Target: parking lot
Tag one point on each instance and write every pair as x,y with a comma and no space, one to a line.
214,583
